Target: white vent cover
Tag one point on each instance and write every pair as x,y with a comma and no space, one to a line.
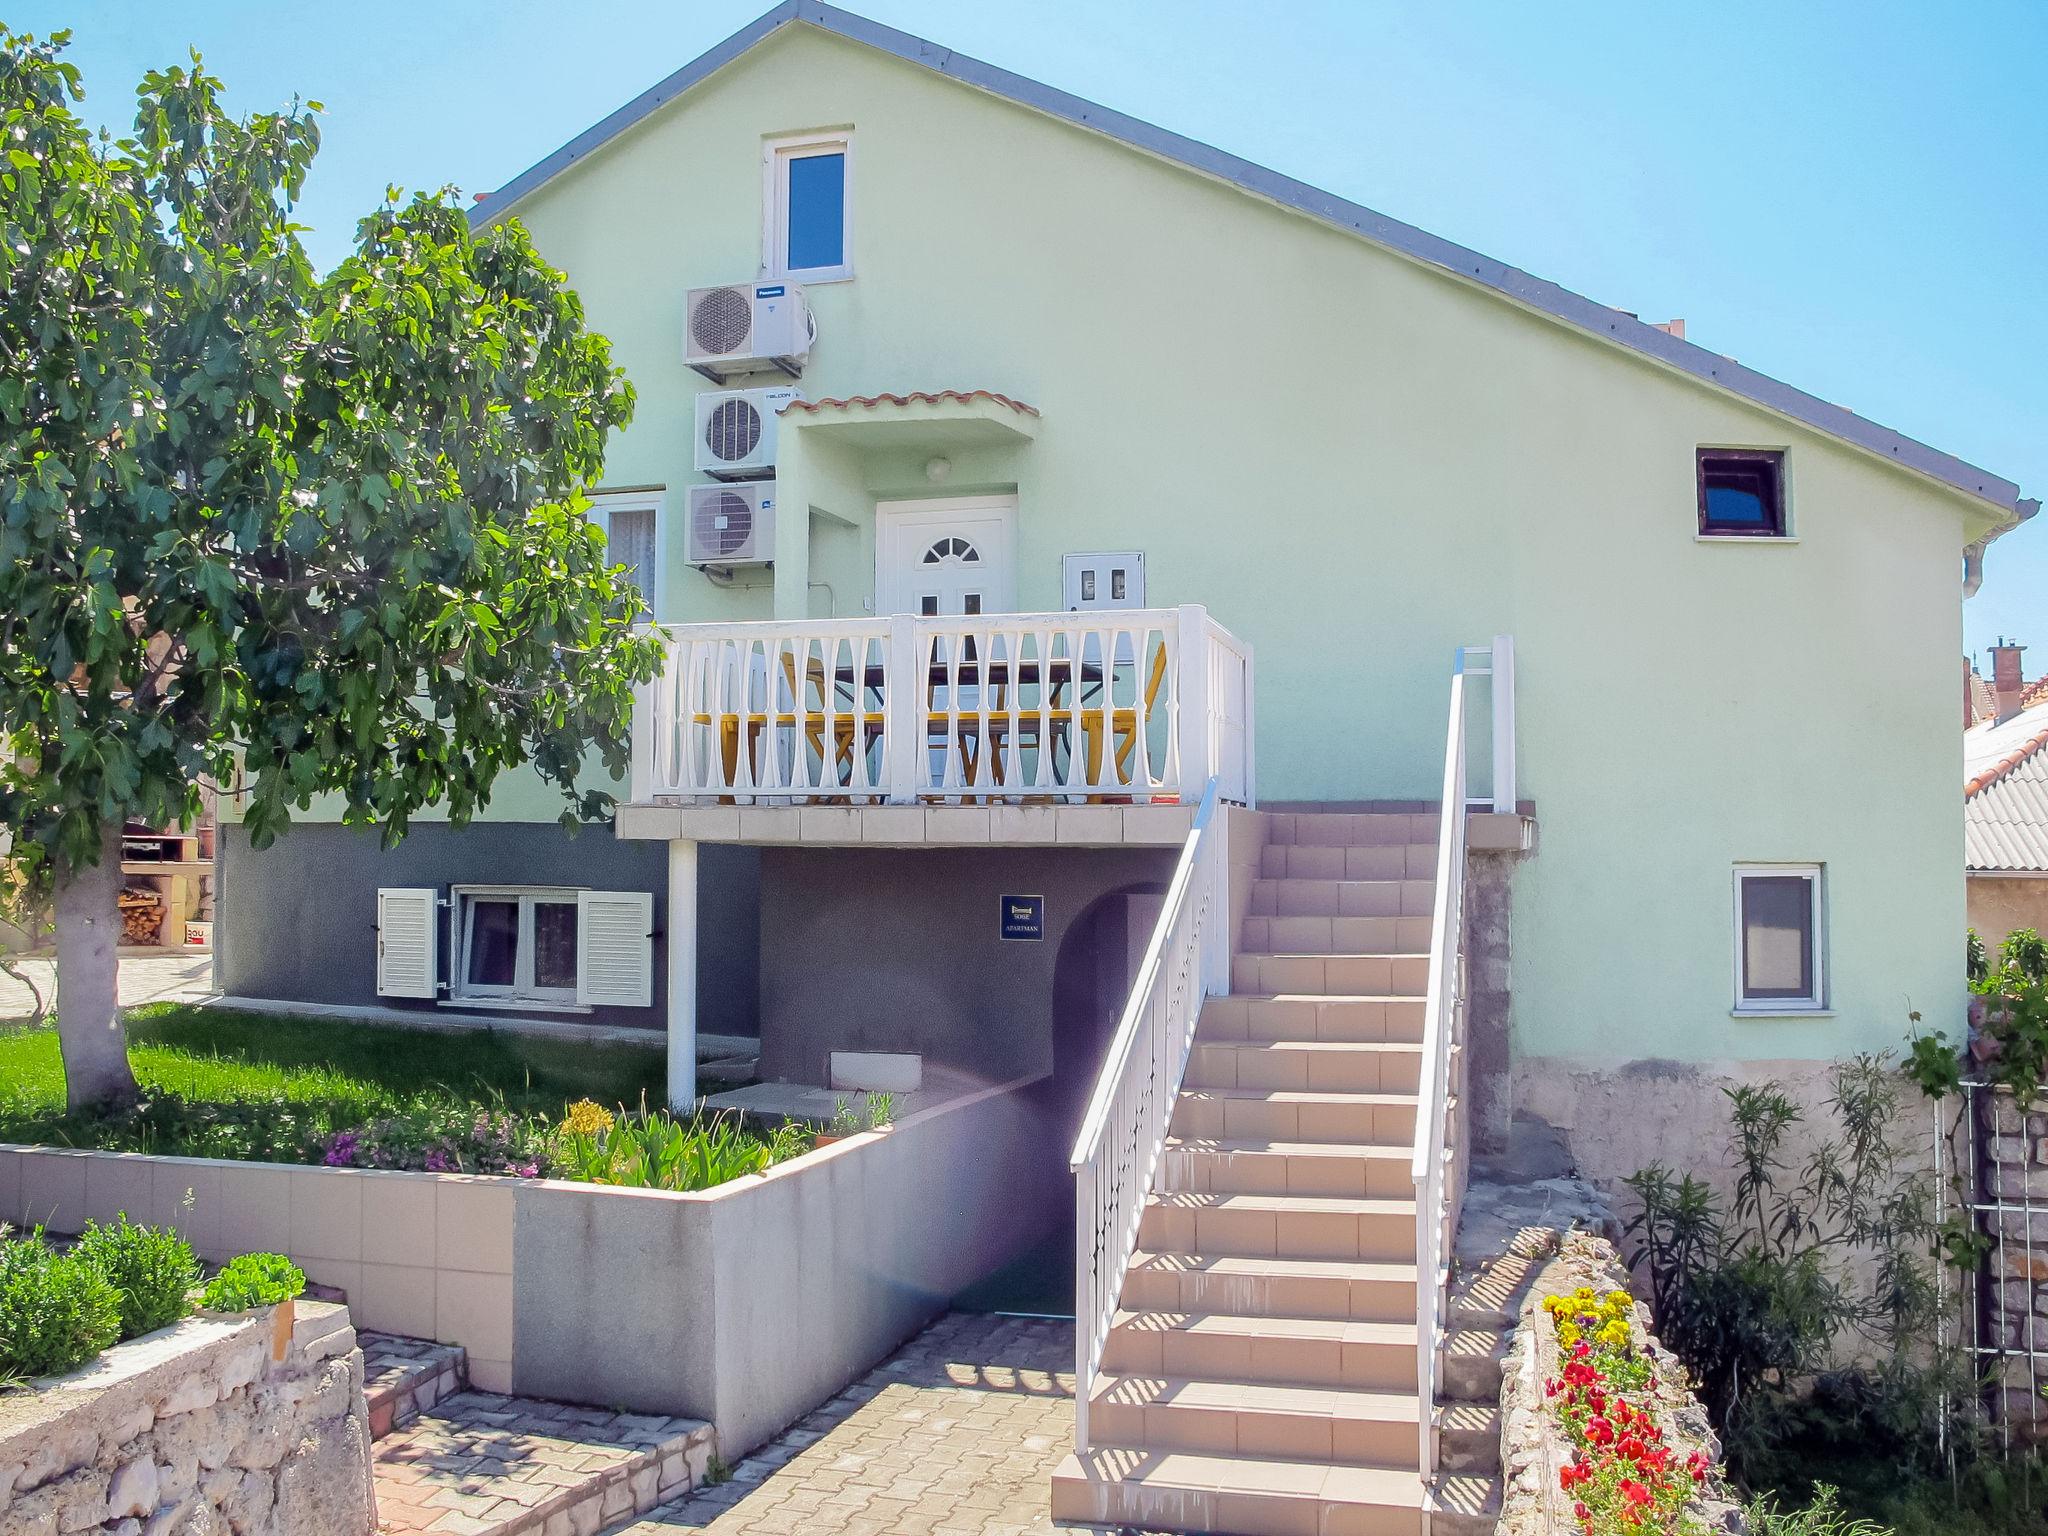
732,524
747,328
737,429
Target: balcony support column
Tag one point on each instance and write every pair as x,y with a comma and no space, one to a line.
682,974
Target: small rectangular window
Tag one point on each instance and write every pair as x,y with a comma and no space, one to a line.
516,943
632,532
1742,493
1779,948
807,229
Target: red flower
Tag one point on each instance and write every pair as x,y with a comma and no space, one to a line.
1585,1515
1597,1401
1600,1432
1634,1492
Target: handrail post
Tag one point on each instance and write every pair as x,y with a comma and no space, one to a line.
644,717
1503,690
902,711
1193,729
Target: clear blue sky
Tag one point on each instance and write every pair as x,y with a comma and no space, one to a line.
1852,197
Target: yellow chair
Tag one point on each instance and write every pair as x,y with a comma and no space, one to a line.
1121,725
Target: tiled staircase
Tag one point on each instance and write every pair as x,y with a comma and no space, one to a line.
1261,1375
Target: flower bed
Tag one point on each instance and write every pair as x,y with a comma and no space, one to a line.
1623,1476
1601,1434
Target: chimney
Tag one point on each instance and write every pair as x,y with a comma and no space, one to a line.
1671,328
2005,676
1969,703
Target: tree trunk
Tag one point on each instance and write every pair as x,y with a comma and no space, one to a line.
89,1028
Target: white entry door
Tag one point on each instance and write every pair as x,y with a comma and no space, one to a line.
946,557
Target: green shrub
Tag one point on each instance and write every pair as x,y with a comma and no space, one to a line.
153,1269
57,1310
1823,1517
254,1280
652,1149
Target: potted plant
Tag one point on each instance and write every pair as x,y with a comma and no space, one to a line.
845,1122
259,1280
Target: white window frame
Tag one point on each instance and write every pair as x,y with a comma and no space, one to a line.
1817,1001
776,154
462,907
604,503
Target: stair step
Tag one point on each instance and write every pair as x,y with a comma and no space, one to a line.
1334,861
1325,975
1474,1359
1468,1437
1235,1418
1258,1114
1362,1290
1254,1166
1235,1495
1331,1066
1464,1504
1342,899
1289,1351
508,1466
1322,935
404,1377
1352,829
1309,1016
1279,1226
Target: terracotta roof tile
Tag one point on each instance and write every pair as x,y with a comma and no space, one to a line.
915,397
2005,765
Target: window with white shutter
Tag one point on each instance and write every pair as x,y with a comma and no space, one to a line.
406,947
615,949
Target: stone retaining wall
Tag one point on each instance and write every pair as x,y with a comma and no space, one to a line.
197,1431
2012,1183
1533,1446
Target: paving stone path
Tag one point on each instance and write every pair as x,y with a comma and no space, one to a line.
480,1463
957,1435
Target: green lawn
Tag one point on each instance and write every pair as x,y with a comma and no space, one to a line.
321,1073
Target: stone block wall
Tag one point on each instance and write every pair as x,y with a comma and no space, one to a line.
197,1431
2013,1298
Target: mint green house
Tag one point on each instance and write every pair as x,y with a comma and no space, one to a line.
1091,565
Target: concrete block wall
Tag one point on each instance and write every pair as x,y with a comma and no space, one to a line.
423,1254
747,1305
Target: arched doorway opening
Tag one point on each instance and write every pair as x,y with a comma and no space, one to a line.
1098,959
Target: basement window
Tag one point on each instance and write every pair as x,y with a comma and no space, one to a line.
1779,948
807,230
1742,493
514,942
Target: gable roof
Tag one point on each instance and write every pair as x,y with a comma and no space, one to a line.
1419,245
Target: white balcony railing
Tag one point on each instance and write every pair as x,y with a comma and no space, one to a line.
1140,705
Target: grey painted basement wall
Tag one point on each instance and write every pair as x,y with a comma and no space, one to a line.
897,949
297,920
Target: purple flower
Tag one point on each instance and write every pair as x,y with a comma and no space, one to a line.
437,1161
341,1150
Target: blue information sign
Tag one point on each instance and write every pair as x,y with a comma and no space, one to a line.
1023,917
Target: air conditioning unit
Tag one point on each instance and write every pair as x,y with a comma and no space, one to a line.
732,524
747,328
736,431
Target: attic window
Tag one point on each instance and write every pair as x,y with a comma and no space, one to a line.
807,233
1742,493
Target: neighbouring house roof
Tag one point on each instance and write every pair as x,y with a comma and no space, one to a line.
1521,288
1983,699
2005,794
914,397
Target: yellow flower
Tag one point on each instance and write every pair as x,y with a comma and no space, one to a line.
586,1117
1567,1334
1614,1335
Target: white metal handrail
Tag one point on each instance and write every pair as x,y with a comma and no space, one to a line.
1131,1110
1141,704
1438,1164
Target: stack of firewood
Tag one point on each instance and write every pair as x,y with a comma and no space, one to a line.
142,916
